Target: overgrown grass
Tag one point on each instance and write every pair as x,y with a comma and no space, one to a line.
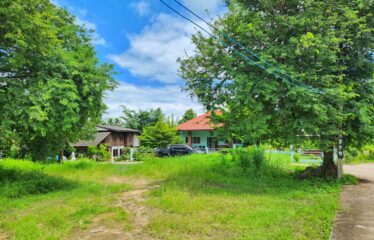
201,197
210,197
54,201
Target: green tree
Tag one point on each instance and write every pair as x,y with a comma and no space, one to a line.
159,135
325,44
188,115
51,82
141,118
99,153
113,122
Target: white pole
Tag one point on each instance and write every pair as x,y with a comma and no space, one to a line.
291,153
131,154
340,157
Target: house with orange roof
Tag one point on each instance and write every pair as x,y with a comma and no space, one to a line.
200,132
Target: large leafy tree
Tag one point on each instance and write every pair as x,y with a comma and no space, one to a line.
325,44
141,118
51,82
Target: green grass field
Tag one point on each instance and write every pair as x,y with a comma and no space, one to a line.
199,197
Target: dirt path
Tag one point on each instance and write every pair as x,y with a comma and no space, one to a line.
356,220
133,203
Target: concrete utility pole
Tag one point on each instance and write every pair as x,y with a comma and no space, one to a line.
340,157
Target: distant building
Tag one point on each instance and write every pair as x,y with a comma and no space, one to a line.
117,138
200,132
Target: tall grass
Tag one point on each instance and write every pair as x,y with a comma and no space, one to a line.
200,197
254,160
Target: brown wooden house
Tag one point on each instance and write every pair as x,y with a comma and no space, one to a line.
117,138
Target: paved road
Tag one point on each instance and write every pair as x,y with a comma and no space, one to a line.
356,219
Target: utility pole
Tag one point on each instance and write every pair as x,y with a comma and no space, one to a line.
340,157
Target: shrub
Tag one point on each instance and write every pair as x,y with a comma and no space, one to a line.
258,155
16,183
144,153
296,157
252,157
244,158
365,154
125,156
100,153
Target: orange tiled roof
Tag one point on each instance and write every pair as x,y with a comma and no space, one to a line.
201,122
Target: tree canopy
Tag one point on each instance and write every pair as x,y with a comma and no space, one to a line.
325,44
188,115
159,135
51,82
141,118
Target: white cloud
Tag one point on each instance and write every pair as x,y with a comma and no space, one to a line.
154,52
169,98
97,39
143,8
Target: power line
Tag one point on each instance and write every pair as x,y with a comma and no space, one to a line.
233,40
235,50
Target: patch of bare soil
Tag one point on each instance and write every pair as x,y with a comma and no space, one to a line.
356,219
4,236
133,203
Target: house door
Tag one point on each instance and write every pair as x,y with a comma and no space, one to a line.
212,142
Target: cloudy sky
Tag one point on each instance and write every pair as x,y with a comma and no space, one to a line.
143,39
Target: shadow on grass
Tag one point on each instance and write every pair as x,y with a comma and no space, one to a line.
231,180
17,183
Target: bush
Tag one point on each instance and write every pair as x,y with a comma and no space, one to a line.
16,183
125,156
258,155
100,154
144,153
296,157
365,154
251,157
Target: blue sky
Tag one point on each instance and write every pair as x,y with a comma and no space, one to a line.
143,39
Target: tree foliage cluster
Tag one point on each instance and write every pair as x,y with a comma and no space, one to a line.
160,135
325,44
99,153
51,82
157,131
141,118
188,115
136,119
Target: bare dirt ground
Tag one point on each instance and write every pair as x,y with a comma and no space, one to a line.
3,236
132,202
356,219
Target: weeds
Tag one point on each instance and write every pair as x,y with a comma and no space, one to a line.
15,183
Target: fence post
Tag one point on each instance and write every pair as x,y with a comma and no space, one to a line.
340,156
131,154
291,153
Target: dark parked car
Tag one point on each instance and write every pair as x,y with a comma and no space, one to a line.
176,150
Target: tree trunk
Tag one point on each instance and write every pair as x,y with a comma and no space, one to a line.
329,169
61,156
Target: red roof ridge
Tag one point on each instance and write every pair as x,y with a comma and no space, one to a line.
201,122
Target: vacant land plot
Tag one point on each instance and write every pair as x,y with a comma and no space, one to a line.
195,197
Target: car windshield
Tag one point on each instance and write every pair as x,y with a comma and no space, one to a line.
182,146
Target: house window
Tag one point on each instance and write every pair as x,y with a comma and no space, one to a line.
115,152
237,141
196,140
186,139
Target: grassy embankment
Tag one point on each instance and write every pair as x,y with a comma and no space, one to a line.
200,197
